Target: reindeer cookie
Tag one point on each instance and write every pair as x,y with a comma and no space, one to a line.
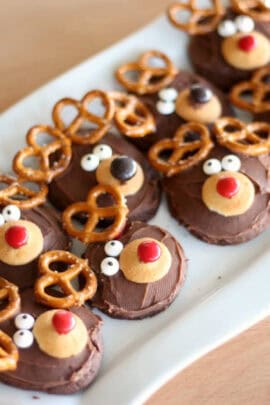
27,229
139,274
113,161
53,349
219,190
226,45
174,97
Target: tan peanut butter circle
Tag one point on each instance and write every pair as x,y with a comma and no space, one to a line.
129,187
58,345
204,113
236,57
24,254
140,272
228,207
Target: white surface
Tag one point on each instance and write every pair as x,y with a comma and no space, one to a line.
227,288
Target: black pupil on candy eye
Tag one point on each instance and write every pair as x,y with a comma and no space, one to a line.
123,168
24,316
21,333
209,163
110,263
89,158
112,243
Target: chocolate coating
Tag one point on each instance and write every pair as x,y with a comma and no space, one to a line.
74,184
207,59
54,236
38,371
166,125
185,202
121,298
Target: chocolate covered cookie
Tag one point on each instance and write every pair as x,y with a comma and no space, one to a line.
219,190
226,46
174,97
140,274
58,351
115,162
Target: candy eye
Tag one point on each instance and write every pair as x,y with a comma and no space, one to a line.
89,162
212,166
2,220
23,338
109,266
227,28
231,163
169,94
103,151
165,107
113,248
24,321
244,23
11,213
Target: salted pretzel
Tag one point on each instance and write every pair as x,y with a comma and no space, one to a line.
9,296
148,79
21,195
257,9
180,153
132,117
59,149
117,212
200,21
258,90
9,354
49,277
251,139
101,124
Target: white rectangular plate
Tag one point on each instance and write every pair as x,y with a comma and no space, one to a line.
227,288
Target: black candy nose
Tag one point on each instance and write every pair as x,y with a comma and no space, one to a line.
123,168
200,94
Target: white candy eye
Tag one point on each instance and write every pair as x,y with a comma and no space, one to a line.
212,166
244,23
103,151
11,213
23,338
227,28
113,248
89,162
169,94
24,321
231,163
109,266
165,107
2,220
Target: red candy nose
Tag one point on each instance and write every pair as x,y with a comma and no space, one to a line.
227,187
63,322
148,252
16,236
247,43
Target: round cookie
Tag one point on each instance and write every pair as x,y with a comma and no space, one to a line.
113,161
69,367
140,274
228,205
23,237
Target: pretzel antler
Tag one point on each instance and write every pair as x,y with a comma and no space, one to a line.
200,21
9,294
9,354
257,9
253,95
251,139
190,145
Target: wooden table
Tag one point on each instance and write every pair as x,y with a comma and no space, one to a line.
41,39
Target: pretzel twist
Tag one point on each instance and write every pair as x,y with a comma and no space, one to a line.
9,354
9,294
88,233
18,194
47,170
132,117
183,154
251,139
258,90
101,123
201,21
256,9
49,277
149,79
